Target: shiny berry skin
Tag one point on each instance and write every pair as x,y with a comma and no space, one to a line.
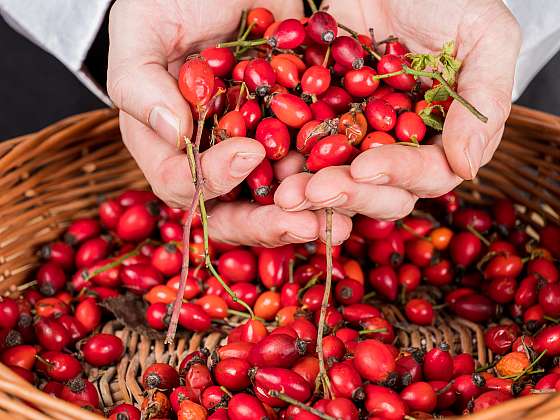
233,373
160,376
88,313
140,278
380,115
273,134
281,380
196,81
502,289
543,268
9,313
157,316
60,366
251,113
51,334
286,72
410,127
92,251
390,64
81,230
290,109
420,396
321,28
316,80
438,364
348,52
220,60
259,76
474,307
238,265
373,360
384,403
136,223
261,18
232,124
348,291
399,101
79,389
549,299
395,47
167,259
337,99
384,281
125,411
277,350
289,34
465,248
360,83
419,311
261,179
353,125
193,318
499,338
102,349
332,150
245,407
60,253
238,72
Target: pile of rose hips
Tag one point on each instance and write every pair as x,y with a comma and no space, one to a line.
488,270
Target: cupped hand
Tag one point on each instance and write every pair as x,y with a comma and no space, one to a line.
149,41
386,181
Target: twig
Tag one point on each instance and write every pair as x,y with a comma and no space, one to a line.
355,34
328,283
312,6
442,81
286,398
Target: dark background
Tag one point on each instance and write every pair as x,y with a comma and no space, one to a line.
37,90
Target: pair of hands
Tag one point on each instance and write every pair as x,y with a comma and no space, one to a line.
150,40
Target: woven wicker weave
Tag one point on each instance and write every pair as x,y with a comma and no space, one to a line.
53,176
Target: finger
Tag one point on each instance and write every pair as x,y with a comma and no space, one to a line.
253,224
349,13
167,169
290,194
282,10
335,187
424,170
341,227
486,81
137,78
291,164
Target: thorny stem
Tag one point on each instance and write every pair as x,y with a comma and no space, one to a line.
286,398
328,283
312,6
442,81
354,34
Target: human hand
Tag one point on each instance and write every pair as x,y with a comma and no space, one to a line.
386,181
149,42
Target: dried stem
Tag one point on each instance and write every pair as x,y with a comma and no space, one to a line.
437,76
312,6
286,398
328,284
355,34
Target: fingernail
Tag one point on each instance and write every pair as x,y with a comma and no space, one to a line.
378,179
339,200
291,238
244,162
473,153
301,206
165,124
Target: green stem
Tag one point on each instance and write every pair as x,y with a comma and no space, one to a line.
355,34
243,43
325,303
368,296
375,331
242,25
549,318
442,81
115,263
243,314
528,368
286,398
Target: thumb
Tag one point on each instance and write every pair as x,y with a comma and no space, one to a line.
137,78
486,81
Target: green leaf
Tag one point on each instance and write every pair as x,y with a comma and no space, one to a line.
449,63
438,93
431,120
448,48
421,61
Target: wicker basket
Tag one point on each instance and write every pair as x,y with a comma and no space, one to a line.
53,176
